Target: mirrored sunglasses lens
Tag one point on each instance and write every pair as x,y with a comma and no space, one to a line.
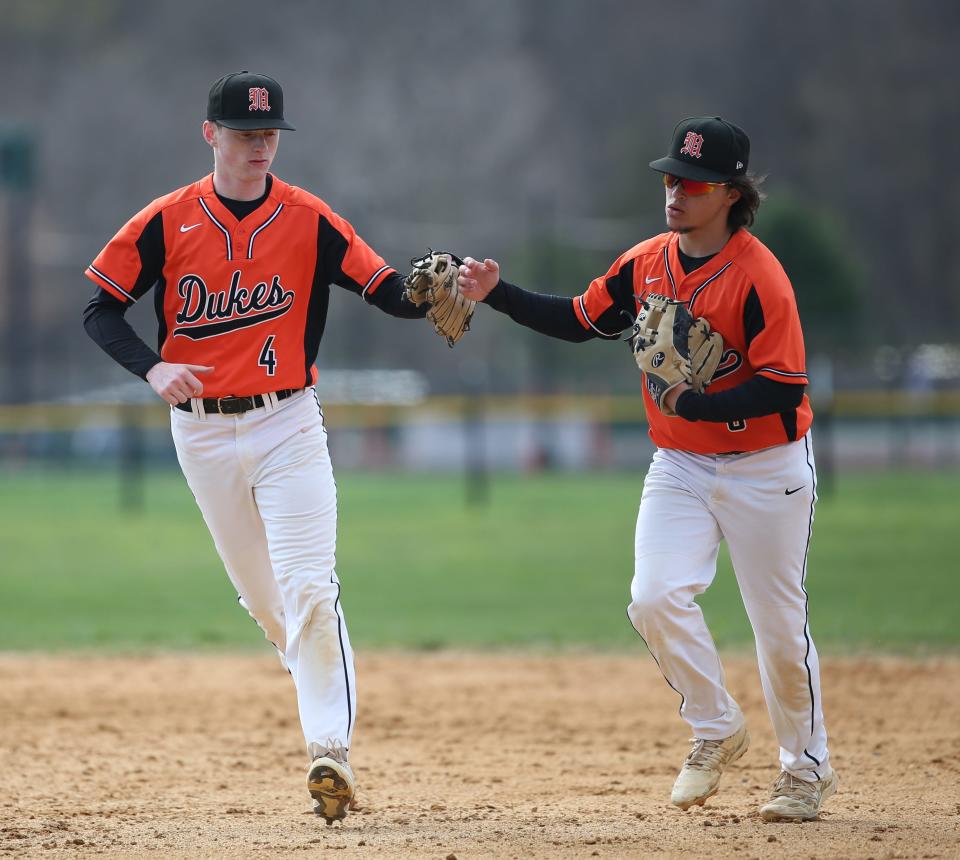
689,186
695,189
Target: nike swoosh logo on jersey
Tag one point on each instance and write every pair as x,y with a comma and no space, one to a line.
651,280
185,229
791,492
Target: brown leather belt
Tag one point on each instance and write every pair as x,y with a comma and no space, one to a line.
236,405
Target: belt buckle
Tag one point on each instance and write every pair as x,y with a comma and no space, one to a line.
226,409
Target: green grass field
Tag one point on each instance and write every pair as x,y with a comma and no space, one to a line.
547,563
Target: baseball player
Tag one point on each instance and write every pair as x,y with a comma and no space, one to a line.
735,463
241,264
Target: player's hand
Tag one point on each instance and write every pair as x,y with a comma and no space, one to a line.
671,397
176,383
477,279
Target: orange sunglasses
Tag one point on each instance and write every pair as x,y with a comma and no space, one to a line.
691,187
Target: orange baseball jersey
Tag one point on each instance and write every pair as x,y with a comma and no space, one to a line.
247,297
745,295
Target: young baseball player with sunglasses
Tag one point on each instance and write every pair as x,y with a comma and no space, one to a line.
732,463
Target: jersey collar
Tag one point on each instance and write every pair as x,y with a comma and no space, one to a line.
226,217
239,247
735,244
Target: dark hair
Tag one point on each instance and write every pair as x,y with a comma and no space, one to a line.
743,212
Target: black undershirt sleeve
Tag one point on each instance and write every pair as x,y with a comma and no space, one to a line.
549,315
391,299
103,319
754,398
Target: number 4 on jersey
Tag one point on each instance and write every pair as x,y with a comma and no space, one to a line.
268,356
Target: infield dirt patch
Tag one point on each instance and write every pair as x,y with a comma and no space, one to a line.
463,755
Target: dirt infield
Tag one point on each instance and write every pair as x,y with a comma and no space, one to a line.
457,755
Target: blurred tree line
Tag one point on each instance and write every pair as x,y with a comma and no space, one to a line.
519,130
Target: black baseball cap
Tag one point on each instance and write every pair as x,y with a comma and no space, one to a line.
244,100
706,149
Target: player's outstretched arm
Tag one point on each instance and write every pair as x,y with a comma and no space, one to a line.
177,383
391,298
549,315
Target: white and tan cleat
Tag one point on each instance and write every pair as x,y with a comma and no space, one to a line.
795,799
330,781
700,775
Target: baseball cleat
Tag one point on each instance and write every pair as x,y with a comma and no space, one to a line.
699,778
330,781
795,799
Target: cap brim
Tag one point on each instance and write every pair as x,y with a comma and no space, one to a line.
254,123
686,170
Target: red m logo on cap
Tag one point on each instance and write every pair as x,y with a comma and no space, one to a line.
691,144
259,99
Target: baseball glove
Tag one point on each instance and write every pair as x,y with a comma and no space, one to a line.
433,280
672,347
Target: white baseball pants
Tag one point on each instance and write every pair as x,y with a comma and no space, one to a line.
762,504
264,484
